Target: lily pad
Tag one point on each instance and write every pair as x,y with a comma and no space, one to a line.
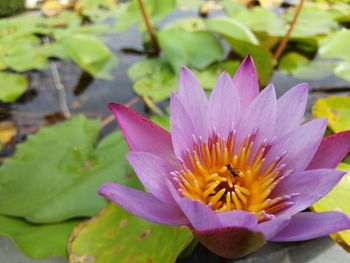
338,200
117,236
336,109
98,63
337,46
232,28
56,173
301,67
194,49
153,78
342,70
38,241
11,86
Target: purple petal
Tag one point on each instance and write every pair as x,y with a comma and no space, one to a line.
223,108
299,145
246,81
260,115
273,226
305,226
332,151
291,108
231,242
311,186
143,204
141,134
238,218
182,126
194,99
152,171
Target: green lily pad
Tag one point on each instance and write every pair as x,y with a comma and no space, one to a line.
263,58
11,86
232,28
263,20
194,49
338,200
189,24
56,173
336,109
337,46
38,241
342,70
153,78
117,236
90,54
156,11
301,67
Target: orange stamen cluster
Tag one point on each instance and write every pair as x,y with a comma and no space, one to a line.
226,177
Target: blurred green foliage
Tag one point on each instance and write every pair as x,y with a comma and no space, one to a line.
8,7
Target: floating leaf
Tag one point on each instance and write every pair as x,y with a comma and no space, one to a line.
338,200
56,173
336,109
117,236
337,46
262,57
153,78
232,28
342,70
187,48
263,20
301,67
189,24
313,21
162,121
90,54
232,8
38,241
156,10
11,86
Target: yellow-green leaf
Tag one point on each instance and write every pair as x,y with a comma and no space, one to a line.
117,236
336,109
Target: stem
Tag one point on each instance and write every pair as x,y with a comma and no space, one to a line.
149,26
285,39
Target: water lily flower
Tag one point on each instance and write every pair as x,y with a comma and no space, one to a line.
238,168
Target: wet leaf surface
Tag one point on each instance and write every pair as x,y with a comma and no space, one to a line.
183,48
117,236
12,86
38,241
336,109
338,200
54,172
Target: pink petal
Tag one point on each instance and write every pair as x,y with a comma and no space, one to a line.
291,108
273,226
143,205
141,134
246,81
332,151
259,116
223,108
305,226
153,171
182,127
194,99
299,145
311,186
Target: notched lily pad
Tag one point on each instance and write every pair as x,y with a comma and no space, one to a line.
38,241
117,236
11,86
336,109
338,200
55,174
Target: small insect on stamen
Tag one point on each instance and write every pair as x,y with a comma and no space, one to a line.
232,170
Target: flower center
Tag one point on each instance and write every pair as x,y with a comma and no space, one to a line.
225,177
